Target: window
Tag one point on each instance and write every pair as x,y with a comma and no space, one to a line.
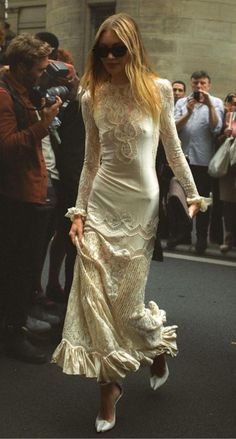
98,13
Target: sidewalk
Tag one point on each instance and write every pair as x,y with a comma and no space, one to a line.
212,251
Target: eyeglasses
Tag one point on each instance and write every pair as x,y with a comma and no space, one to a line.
178,89
117,50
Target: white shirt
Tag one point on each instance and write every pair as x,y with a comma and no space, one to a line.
49,157
196,135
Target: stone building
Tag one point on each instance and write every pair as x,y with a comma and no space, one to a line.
180,35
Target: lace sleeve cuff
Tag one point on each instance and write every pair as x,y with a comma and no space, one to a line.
202,201
75,211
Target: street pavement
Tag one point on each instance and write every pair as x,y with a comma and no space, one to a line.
197,401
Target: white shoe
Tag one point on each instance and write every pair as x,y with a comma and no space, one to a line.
102,425
156,381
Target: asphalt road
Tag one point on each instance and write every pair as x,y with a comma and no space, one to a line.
199,398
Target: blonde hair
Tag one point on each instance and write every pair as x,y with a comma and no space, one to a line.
138,68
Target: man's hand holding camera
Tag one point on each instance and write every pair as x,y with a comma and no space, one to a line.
71,80
47,114
190,105
204,98
57,84
199,97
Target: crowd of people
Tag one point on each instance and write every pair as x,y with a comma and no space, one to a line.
129,127
203,123
39,180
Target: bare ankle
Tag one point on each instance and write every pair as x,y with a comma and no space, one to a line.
109,393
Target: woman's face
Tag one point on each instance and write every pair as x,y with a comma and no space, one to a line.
233,104
114,63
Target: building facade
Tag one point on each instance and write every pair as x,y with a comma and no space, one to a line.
180,35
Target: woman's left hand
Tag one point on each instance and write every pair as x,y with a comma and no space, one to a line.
193,209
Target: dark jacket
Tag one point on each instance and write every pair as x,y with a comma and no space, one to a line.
70,153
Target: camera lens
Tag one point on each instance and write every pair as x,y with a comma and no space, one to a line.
52,92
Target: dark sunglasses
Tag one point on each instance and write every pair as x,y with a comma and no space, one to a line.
117,50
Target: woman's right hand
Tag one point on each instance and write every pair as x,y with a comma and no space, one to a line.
77,230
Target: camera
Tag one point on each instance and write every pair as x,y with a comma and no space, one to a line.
46,87
49,95
196,95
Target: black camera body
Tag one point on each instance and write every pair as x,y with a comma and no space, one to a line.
47,89
196,95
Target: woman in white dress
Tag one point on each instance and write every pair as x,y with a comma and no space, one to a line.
108,330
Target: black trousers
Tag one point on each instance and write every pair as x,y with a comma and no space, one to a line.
203,182
229,214
22,226
45,225
67,198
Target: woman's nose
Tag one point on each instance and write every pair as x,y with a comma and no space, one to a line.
110,56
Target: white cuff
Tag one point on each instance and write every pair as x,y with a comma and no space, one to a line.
74,211
204,202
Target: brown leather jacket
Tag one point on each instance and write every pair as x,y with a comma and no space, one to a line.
23,174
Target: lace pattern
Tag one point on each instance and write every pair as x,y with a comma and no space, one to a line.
108,329
123,221
104,342
91,158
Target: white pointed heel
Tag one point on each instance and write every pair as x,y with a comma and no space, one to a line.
156,381
102,425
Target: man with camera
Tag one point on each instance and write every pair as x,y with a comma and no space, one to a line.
68,160
199,120
23,188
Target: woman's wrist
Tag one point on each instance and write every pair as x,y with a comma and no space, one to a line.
75,213
78,216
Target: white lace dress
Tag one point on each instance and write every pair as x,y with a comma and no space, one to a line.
108,330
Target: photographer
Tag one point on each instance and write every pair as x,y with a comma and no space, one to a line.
23,188
199,120
49,85
68,160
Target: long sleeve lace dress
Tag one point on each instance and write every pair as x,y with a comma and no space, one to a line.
108,331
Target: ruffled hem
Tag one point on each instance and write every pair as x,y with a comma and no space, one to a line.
75,360
73,211
204,202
